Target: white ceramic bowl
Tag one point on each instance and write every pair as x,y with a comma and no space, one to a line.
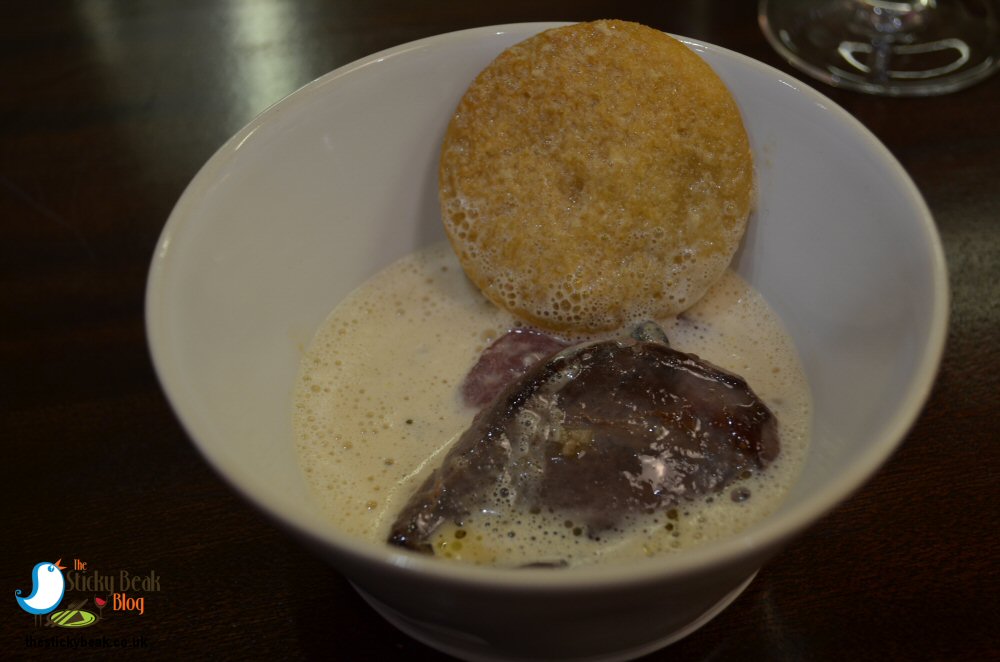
339,179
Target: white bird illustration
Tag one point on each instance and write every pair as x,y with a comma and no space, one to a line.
47,589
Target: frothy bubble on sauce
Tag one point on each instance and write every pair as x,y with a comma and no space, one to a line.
378,404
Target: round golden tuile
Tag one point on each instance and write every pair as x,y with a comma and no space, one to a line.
596,174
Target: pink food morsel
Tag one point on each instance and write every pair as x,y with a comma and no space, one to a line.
504,361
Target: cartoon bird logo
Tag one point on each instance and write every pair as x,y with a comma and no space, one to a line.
47,589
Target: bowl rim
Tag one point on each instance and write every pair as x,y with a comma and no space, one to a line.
760,538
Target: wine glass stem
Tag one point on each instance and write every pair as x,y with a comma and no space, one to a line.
881,57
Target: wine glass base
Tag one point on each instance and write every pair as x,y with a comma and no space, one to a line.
885,48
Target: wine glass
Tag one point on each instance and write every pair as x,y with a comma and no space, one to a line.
917,48
100,602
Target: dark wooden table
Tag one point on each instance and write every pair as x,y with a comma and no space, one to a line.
107,110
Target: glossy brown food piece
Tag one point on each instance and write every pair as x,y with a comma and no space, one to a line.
599,431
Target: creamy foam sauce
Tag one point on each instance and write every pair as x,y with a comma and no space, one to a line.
377,406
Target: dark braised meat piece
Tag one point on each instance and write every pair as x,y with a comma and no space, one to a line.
598,431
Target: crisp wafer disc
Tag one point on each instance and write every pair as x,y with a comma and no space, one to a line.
596,174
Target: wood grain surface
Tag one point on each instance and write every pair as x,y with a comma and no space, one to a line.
108,109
